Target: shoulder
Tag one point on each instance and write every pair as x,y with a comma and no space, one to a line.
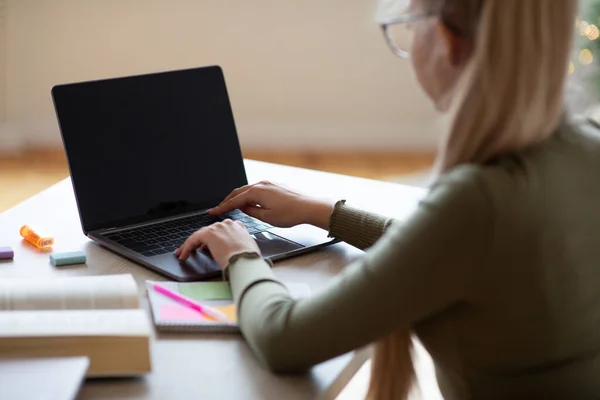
479,194
457,201
466,185
565,158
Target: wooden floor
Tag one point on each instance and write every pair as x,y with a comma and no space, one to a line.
27,174
381,166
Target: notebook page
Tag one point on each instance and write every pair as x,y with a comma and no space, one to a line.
76,293
169,315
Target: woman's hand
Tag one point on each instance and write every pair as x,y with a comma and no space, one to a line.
276,205
223,240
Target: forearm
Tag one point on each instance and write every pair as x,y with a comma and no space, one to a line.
286,334
356,227
398,282
351,225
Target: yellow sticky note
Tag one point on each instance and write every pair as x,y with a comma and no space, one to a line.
229,311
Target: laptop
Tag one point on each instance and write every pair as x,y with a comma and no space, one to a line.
148,155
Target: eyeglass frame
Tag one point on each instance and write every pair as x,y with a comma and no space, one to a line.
402,19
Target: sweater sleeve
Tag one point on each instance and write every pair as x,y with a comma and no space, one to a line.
417,269
356,227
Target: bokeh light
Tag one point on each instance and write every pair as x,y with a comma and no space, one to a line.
586,57
583,28
571,68
593,32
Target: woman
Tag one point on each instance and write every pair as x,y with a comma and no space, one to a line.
497,272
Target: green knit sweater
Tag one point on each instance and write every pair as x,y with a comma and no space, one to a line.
498,272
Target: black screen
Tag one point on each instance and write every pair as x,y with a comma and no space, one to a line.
150,145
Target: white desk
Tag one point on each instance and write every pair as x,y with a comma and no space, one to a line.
205,366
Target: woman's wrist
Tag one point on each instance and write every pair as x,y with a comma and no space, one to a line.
318,213
249,255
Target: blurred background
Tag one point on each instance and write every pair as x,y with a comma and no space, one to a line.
312,83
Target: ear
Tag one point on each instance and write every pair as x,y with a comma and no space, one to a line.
455,45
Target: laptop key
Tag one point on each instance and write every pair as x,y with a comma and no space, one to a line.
126,242
160,251
142,249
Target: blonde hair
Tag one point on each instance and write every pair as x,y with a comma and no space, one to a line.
510,96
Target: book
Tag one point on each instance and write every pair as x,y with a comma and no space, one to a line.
171,316
93,316
52,378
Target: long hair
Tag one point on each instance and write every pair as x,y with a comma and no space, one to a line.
509,97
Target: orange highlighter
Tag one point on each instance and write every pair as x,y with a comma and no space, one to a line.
35,239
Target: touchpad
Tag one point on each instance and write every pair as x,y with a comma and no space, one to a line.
271,244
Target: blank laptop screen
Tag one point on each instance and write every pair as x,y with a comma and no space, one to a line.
149,146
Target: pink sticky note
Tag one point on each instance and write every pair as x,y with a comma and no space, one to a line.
175,312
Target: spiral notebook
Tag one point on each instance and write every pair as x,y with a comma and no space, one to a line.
171,316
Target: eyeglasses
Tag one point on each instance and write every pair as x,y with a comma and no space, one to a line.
399,33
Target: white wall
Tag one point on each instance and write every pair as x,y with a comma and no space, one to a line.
310,73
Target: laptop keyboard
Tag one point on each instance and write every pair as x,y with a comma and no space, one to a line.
165,237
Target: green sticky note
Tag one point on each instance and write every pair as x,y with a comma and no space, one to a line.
202,291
